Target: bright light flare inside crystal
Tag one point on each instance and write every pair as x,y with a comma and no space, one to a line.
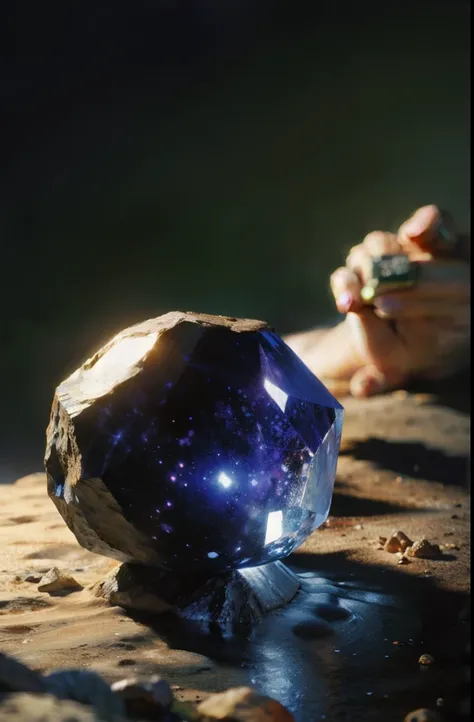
219,453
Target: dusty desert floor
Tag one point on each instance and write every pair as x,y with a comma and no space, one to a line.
347,647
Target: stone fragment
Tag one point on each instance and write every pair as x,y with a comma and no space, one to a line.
17,677
46,708
235,598
88,688
397,542
127,587
57,581
193,443
242,704
147,699
32,577
426,660
402,559
423,549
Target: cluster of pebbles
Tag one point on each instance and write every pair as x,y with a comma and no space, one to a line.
407,550
83,696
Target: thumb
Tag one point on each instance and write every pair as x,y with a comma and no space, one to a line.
369,381
429,230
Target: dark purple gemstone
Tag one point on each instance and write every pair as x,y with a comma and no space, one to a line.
193,444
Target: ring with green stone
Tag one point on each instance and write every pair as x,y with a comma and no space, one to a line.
390,273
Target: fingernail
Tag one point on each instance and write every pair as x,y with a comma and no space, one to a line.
344,302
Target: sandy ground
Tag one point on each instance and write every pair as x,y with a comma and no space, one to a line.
403,465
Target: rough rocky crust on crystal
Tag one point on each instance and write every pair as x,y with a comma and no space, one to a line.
193,442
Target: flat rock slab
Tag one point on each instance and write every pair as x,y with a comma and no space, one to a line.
353,643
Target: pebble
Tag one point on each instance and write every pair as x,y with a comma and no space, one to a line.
145,698
426,660
400,394
32,577
57,581
242,704
17,677
423,549
42,708
397,542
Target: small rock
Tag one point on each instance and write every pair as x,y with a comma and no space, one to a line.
400,394
422,715
449,547
32,577
87,688
426,660
145,699
45,708
358,527
402,559
57,581
440,702
423,549
242,704
17,677
398,542
125,587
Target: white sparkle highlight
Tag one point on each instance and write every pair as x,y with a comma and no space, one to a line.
274,527
213,555
278,396
224,480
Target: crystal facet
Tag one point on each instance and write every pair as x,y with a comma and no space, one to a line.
193,442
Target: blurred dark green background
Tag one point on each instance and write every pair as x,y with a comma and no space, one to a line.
213,156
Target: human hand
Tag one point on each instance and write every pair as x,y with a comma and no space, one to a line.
419,332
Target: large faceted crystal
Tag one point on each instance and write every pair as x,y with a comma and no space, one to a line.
193,442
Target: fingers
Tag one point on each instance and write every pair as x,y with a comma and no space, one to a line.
440,286
418,231
442,290
376,341
379,243
376,244
346,287
400,307
369,381
430,230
